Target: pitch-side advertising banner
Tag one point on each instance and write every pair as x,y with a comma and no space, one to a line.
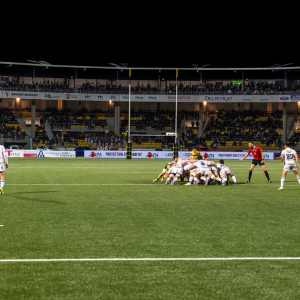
54,154
21,153
169,154
148,98
40,153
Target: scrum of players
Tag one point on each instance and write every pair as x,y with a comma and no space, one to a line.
196,170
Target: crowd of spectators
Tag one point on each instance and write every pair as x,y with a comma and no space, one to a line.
65,119
41,136
9,127
246,126
154,120
295,138
42,86
250,87
97,140
102,88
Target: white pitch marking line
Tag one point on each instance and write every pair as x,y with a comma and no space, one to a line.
125,173
150,259
1,226
62,184
121,184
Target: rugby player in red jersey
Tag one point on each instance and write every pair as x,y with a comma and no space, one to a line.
258,159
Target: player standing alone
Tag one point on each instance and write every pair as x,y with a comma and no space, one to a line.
3,156
288,157
258,159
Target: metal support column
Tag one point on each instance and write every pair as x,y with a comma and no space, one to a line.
33,119
200,130
284,123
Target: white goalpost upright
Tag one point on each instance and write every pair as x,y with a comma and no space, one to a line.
176,130
169,134
129,98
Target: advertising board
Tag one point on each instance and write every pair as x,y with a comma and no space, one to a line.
169,154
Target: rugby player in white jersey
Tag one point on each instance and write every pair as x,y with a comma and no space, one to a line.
175,173
3,156
225,172
288,157
186,167
200,168
164,171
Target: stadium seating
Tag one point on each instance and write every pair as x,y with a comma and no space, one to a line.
9,126
77,120
235,130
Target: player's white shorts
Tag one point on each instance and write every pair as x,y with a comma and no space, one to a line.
177,171
187,167
204,171
2,166
290,167
225,171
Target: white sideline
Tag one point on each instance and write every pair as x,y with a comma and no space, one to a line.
124,184
150,259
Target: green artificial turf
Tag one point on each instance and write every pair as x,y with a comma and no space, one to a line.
110,208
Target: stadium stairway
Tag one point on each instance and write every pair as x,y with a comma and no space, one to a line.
111,123
27,129
291,121
48,130
206,122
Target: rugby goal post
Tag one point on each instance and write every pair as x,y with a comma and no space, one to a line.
168,134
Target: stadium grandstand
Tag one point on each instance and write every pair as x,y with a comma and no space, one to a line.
220,109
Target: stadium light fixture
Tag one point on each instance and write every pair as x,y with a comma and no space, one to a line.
115,65
124,65
196,67
39,62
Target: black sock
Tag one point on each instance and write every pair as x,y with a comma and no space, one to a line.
250,174
267,175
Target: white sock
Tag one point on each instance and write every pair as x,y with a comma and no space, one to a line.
282,181
2,184
234,179
175,179
203,178
298,179
169,179
218,179
191,179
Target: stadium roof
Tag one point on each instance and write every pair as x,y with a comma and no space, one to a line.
95,63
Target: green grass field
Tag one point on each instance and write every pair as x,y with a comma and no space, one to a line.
110,208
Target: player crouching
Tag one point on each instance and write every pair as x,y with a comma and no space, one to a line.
175,173
164,171
201,168
225,172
